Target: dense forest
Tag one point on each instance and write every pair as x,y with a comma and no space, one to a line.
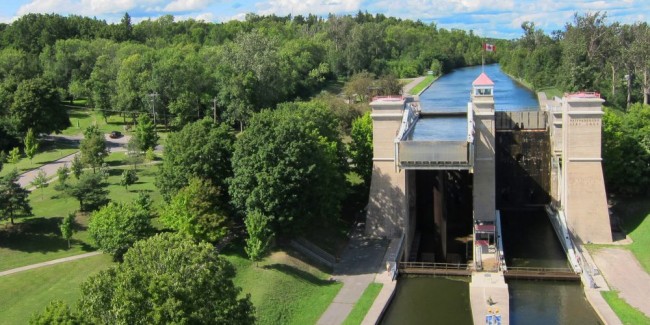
184,68
590,54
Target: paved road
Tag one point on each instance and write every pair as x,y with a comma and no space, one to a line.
52,262
359,264
625,275
114,145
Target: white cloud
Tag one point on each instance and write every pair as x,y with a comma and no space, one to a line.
186,5
206,17
88,7
317,7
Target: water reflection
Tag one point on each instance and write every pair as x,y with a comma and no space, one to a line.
451,92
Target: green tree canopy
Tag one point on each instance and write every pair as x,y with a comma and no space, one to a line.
90,190
93,147
14,200
145,132
36,105
117,226
196,211
289,165
56,313
166,279
201,149
361,147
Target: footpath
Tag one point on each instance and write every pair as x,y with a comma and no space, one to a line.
52,262
357,268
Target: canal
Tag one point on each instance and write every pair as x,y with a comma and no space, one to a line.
529,239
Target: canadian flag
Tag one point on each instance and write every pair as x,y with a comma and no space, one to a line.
489,47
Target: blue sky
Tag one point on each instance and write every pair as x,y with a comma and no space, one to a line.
488,18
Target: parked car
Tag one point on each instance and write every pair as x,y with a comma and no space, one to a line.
115,134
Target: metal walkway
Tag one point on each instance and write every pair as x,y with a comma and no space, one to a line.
539,273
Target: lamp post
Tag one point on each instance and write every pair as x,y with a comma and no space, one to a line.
153,105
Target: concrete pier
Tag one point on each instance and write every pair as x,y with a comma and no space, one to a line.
488,292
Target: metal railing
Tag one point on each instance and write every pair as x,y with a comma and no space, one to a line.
540,269
432,265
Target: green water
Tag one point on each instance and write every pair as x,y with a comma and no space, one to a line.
428,300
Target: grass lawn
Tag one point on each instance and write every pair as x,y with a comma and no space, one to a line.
627,313
37,239
48,152
423,84
636,223
284,289
81,118
362,306
551,92
28,292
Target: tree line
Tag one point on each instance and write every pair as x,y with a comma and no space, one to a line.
590,53
184,70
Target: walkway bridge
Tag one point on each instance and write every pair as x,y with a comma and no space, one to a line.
460,269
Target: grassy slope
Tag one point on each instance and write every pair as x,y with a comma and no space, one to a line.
636,223
423,84
362,306
28,292
37,239
283,289
627,314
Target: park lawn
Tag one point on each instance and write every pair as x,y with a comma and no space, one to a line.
364,303
82,118
37,239
48,152
422,85
284,289
626,313
28,292
636,223
552,92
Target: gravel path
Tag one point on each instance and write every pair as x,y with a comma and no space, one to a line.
625,275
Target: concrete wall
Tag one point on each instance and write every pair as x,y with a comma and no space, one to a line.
484,159
583,192
388,205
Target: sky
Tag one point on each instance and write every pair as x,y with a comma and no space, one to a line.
487,18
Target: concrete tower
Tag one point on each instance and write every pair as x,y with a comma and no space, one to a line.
583,190
387,204
484,155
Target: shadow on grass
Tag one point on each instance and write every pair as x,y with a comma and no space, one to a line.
39,235
297,274
631,212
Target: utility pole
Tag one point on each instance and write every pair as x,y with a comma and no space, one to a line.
214,109
153,105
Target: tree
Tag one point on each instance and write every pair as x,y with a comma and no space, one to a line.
286,165
93,147
117,226
196,210
134,152
56,312
31,144
145,132
360,150
166,279
14,200
63,173
77,166
36,105
201,149
40,181
90,190
129,177
259,236
14,156
67,227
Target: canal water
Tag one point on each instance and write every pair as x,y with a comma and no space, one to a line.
529,239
